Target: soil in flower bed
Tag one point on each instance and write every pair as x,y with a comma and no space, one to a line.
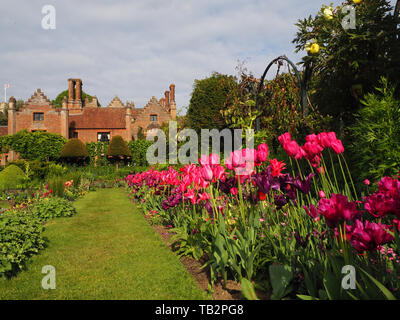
202,276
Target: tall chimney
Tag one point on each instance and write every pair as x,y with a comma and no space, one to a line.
172,90
167,99
71,85
78,89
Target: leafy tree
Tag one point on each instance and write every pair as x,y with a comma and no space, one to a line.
377,134
209,96
75,151
118,150
343,65
57,102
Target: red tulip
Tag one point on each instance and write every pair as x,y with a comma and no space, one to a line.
291,148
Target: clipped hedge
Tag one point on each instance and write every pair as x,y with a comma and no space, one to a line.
118,147
43,146
74,151
12,177
20,238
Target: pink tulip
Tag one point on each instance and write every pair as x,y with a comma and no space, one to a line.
337,147
321,194
219,172
285,138
262,153
214,159
204,160
291,148
207,173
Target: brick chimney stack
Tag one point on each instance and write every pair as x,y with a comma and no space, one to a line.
78,90
172,92
71,86
75,95
167,99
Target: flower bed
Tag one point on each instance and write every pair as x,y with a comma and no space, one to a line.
291,233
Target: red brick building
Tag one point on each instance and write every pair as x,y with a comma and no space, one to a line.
85,119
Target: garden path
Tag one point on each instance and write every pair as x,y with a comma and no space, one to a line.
106,251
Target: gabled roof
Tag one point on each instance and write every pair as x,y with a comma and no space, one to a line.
38,99
98,118
116,103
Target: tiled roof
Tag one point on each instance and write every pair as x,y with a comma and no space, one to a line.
98,118
3,131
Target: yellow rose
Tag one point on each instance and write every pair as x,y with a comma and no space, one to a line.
357,1
328,14
314,48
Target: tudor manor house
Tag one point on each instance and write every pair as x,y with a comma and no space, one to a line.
85,119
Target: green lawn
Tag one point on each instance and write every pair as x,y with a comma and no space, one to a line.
106,251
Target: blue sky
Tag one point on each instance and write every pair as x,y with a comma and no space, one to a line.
135,49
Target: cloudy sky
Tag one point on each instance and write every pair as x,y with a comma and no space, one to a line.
135,49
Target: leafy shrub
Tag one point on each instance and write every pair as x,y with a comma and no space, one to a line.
49,208
43,146
377,134
97,149
118,147
350,62
55,170
20,238
118,150
138,149
57,184
75,151
12,177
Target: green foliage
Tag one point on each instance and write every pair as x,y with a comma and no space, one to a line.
118,148
97,149
248,290
350,62
140,134
376,134
281,277
43,146
12,177
57,185
20,238
57,102
53,207
209,96
279,109
34,169
74,151
138,149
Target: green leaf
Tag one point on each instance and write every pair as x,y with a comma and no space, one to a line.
248,290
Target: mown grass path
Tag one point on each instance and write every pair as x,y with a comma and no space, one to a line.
106,251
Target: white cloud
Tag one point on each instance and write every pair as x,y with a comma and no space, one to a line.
135,49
